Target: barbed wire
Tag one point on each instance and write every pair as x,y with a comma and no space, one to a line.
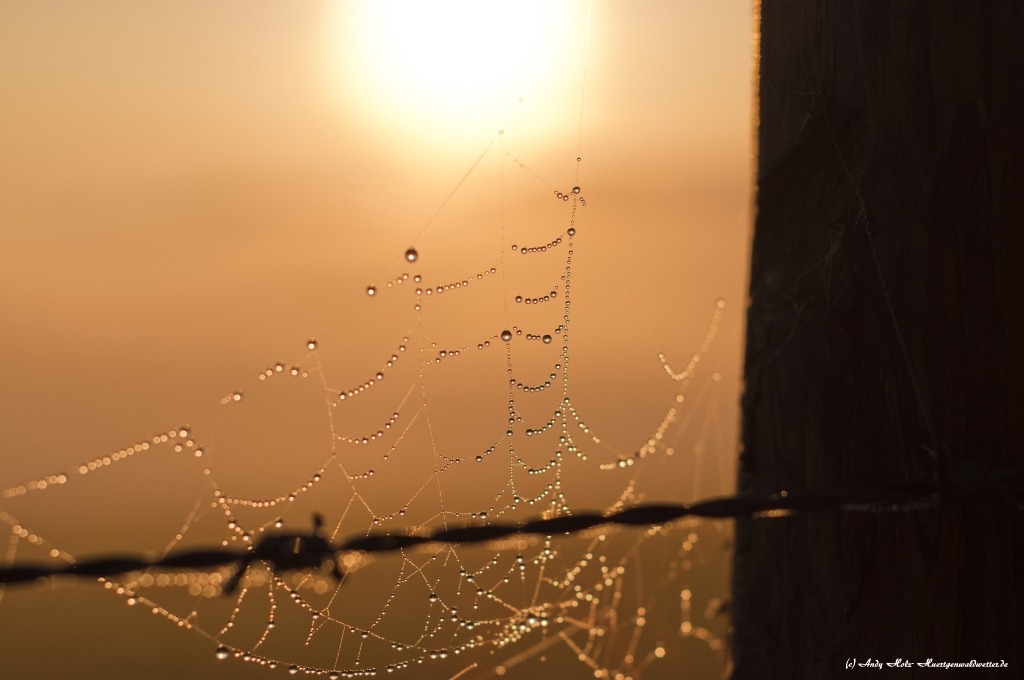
960,482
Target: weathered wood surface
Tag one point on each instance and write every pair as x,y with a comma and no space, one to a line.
886,315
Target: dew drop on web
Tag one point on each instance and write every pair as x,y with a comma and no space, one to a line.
411,255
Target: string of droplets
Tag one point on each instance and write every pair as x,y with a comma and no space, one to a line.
708,339
651,445
367,384
177,439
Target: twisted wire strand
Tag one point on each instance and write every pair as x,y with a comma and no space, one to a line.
973,481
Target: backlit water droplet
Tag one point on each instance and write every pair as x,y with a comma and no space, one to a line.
411,255
371,290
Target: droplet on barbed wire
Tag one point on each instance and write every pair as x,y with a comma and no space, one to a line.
222,653
571,232
311,343
411,255
371,290
575,190
546,339
506,335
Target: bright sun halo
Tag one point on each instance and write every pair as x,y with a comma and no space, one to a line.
454,55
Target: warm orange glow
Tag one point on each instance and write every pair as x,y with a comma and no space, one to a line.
194,201
454,63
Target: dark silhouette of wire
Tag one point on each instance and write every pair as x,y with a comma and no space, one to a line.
965,481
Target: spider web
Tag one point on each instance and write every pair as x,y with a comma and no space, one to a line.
605,599
402,447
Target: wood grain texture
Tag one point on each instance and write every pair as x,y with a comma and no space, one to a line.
886,308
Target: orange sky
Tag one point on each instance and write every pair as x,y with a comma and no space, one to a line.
190,191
